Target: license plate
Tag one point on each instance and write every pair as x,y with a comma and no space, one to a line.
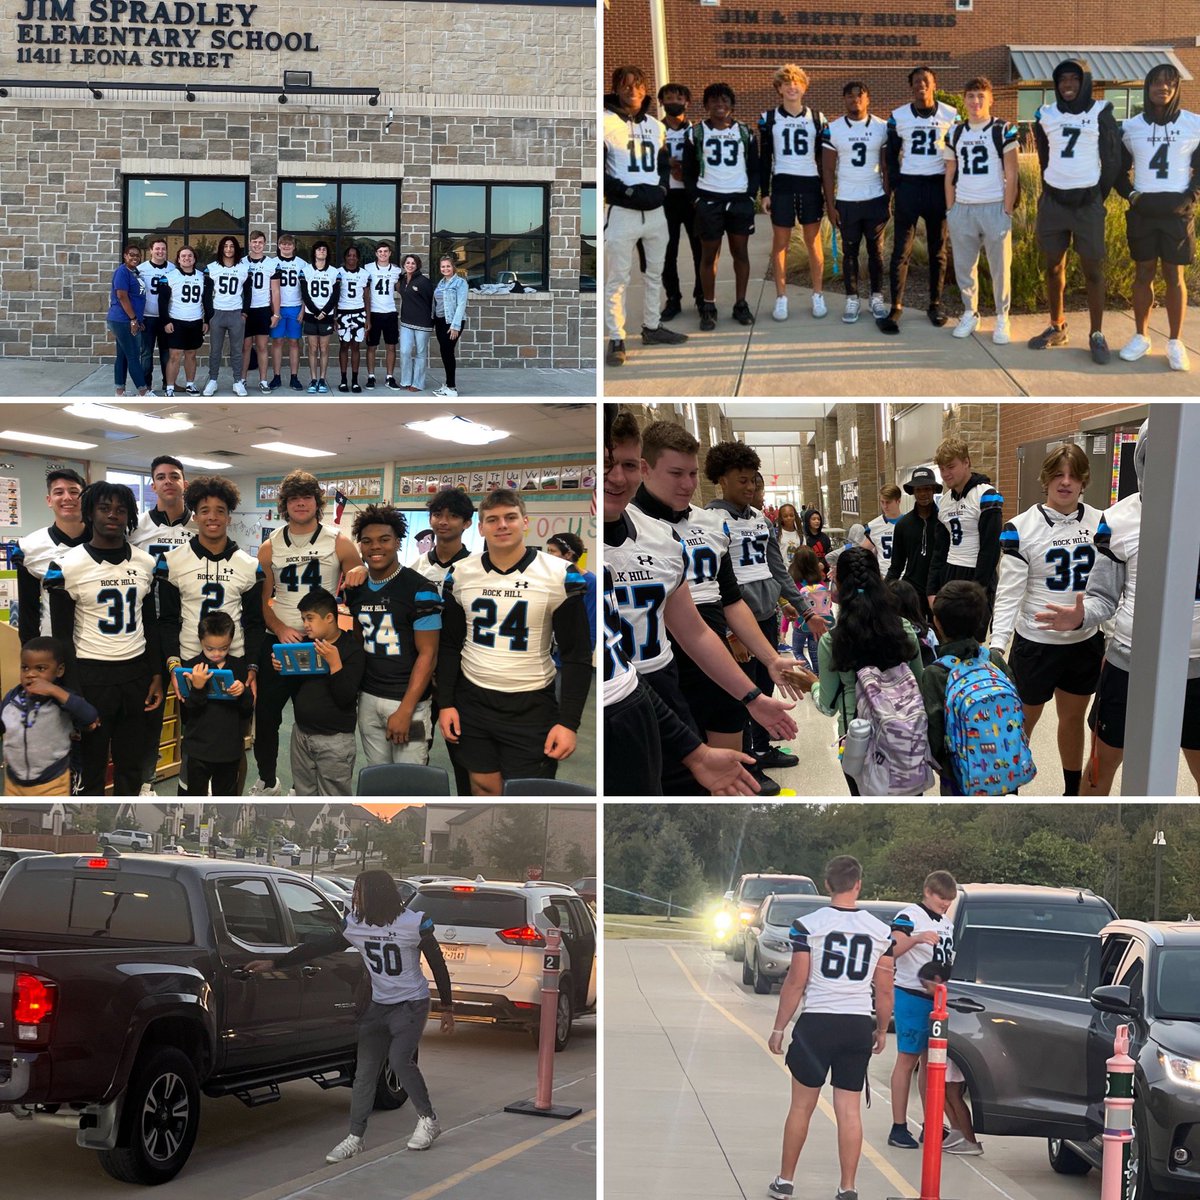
454,953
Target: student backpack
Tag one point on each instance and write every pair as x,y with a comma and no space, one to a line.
996,128
985,728
898,760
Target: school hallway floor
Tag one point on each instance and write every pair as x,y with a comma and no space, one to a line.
802,356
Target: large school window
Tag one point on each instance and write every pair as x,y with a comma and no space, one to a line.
187,212
495,232
1126,102
1029,100
587,238
343,214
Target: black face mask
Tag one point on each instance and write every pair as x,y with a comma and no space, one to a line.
675,110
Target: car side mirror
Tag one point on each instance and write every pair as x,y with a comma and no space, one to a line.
729,895
1115,998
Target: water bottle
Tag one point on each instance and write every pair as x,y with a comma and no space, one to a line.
854,749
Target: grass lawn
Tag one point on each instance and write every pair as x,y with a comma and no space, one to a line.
620,927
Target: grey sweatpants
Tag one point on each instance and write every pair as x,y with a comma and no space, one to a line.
373,713
233,323
391,1032
986,227
323,763
623,229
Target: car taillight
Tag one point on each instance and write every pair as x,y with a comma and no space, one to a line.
521,935
33,1005
97,864
462,889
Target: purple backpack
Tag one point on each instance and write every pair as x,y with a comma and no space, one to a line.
898,761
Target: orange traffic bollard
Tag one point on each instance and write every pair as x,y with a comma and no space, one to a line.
1118,1118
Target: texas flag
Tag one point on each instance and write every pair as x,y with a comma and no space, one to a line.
339,498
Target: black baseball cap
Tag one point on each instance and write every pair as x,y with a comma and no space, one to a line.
922,477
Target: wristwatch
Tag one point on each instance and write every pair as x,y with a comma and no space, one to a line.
752,695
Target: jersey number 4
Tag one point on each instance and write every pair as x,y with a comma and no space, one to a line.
850,957
293,579
1071,570
122,610
515,626
1159,163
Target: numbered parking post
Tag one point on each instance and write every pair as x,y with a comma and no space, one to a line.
1118,1118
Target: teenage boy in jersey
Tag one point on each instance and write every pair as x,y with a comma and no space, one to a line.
967,545
981,192
842,972
320,286
790,172
297,558
287,302
154,270
400,614
1162,151
354,312
881,529
102,606
720,169
262,312
916,138
185,300
855,166
495,674
637,172
1048,552
921,933
673,100
915,534
383,321
1079,148
36,551
226,312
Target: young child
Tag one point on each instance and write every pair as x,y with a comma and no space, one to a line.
961,1138
212,729
326,706
38,717
805,569
908,603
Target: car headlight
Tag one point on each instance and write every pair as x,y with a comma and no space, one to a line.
778,945
745,917
721,922
1180,1069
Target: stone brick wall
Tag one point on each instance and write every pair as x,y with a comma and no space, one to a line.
979,426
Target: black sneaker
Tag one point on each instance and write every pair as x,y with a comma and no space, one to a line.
357,387
902,1138
936,316
742,314
343,386
1099,348
779,1190
1052,335
297,386
673,309
391,382
778,758
708,316
370,382
890,323
616,353
662,337
766,785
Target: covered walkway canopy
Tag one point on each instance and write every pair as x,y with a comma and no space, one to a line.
1108,64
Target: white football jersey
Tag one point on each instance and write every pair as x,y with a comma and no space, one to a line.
676,139
354,285
36,551
320,284
880,530
1074,145
509,617
922,138
207,584
706,542
748,540
620,676
108,601
795,140
845,946
961,518
260,272
860,146
301,565
187,296
980,178
429,567
152,276
287,271
631,148
1046,558
646,567
722,157
227,285
155,533
918,919
382,282
393,955
1162,154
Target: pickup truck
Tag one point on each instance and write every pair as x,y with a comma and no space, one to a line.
124,997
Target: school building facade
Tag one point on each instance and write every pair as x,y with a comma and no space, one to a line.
444,127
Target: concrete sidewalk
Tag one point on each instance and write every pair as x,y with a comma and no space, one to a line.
803,357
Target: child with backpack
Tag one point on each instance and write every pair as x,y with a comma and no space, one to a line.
908,604
805,569
976,721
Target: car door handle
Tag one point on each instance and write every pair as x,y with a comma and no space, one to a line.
965,1006
240,973
309,971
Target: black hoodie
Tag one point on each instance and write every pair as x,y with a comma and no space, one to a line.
642,196
1111,149
818,542
1160,203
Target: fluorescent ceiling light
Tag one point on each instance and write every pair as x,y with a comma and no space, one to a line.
126,417
154,193
458,429
40,439
298,451
210,463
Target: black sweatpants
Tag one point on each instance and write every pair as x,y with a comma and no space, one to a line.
681,213
635,767
677,780
919,198
448,348
756,740
274,692
862,219
122,731
222,776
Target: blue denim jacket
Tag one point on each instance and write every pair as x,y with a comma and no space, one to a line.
450,300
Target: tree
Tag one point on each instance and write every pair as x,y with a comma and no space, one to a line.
576,862
517,840
673,874
329,837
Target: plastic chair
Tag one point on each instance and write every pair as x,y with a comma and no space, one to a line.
403,779
545,787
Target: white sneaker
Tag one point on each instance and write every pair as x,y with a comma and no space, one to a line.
210,388
850,314
259,788
1002,334
445,390
879,310
150,394
170,391
239,388
426,1133
348,1147
1137,347
147,789
818,305
779,312
1177,355
964,1147
967,324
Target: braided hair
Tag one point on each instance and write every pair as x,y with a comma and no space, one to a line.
869,632
102,489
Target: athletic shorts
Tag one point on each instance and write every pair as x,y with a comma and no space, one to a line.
718,215
289,322
796,198
1059,224
352,325
831,1045
911,1014
384,325
1042,667
505,731
316,328
258,322
712,707
1167,236
1107,716
186,335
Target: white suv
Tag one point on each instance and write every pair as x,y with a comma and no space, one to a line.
128,839
491,934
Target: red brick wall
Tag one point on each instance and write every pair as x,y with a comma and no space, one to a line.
705,44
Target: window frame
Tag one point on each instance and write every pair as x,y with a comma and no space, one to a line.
435,250
335,237
584,188
188,232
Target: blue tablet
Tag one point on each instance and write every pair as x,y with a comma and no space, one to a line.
220,682
299,658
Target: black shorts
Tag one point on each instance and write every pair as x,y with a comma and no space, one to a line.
712,707
258,322
717,215
637,769
1168,236
796,198
505,731
1059,224
316,328
834,1045
186,335
1040,668
384,325
1107,716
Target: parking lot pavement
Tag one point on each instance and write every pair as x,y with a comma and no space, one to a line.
686,1055
278,1151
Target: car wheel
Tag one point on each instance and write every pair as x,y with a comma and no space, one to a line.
563,1019
738,950
1138,1184
762,984
747,973
390,1093
1064,1160
162,1117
